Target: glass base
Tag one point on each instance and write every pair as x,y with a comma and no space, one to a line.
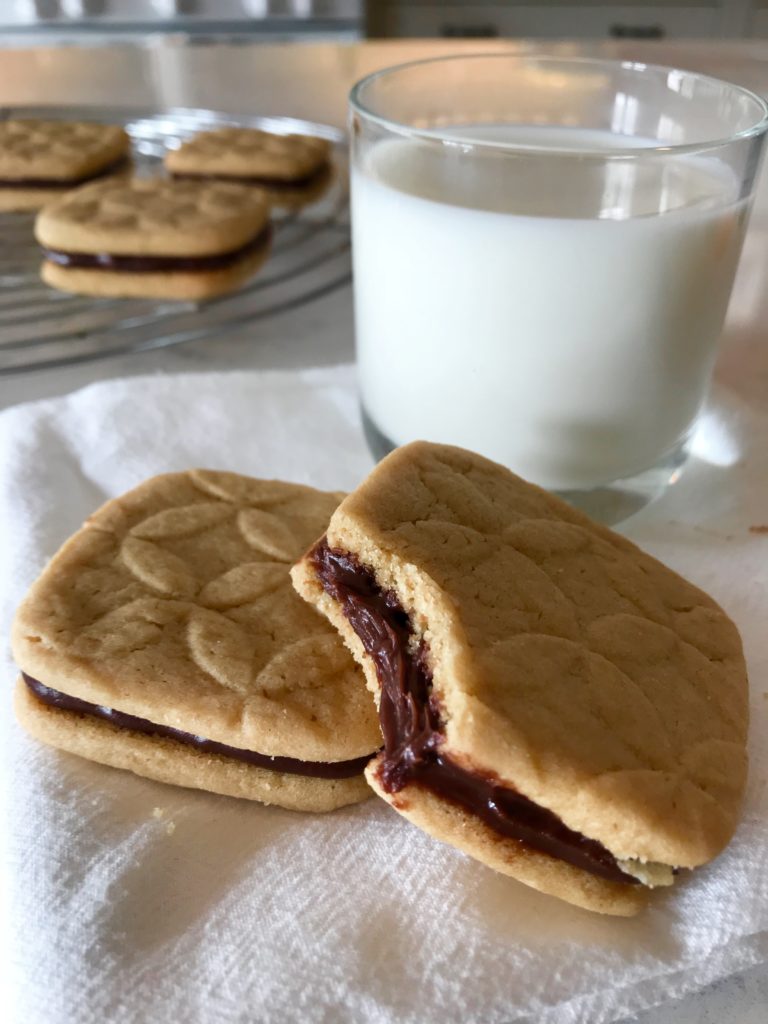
609,503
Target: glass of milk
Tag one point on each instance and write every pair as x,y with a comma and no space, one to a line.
543,252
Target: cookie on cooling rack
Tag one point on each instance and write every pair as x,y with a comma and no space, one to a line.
292,169
165,638
153,238
554,702
40,160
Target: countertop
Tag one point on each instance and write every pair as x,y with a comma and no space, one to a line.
312,81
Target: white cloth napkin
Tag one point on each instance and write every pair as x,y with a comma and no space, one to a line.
137,902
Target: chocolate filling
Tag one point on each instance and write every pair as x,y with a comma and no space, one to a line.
64,183
276,184
157,264
414,733
288,765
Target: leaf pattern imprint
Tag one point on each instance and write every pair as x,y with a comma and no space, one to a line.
241,490
267,533
222,649
183,521
158,569
243,584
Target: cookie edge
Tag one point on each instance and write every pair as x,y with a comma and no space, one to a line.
167,760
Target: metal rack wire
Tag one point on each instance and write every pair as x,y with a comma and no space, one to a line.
41,328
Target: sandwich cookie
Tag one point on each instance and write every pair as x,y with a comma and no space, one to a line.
41,160
554,702
293,170
165,638
186,240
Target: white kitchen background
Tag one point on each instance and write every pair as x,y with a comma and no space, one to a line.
39,22
574,19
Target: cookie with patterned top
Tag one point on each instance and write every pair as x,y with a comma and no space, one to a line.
290,169
186,240
554,701
41,160
165,637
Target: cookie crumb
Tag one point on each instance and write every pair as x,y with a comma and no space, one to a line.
762,528
170,828
158,812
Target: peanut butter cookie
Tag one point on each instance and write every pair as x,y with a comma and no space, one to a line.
165,637
554,701
41,160
186,240
291,169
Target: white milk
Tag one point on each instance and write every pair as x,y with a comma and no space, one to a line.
575,349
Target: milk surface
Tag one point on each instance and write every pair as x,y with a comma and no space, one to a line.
575,349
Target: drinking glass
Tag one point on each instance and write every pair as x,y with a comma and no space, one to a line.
543,251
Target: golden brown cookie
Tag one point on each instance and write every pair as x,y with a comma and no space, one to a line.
291,169
165,637
554,701
41,160
155,238
179,285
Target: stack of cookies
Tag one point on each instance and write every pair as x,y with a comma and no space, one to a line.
197,234
515,679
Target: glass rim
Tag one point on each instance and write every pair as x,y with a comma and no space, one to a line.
754,130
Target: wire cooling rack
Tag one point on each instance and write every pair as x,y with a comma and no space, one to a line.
41,328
